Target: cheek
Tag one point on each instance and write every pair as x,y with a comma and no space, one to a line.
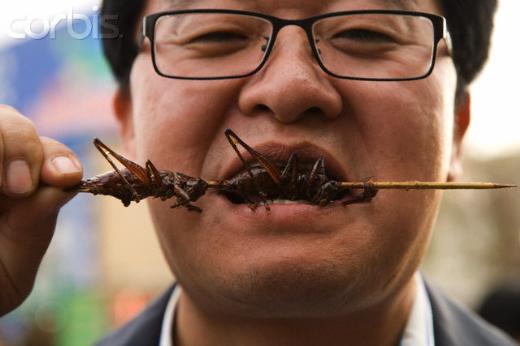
176,121
408,128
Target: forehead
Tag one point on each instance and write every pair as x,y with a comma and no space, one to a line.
309,7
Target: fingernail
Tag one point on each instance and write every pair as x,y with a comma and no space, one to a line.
65,165
18,177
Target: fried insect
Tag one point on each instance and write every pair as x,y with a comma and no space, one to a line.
264,181
134,182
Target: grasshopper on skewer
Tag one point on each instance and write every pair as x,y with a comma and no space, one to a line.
264,181
134,182
261,182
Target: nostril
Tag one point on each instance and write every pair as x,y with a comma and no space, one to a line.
261,108
314,110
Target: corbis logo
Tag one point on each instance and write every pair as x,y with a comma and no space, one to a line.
78,25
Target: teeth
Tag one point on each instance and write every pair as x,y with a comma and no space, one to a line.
286,201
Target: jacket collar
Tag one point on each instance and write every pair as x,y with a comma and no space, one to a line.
453,325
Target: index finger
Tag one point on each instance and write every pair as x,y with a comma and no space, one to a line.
20,154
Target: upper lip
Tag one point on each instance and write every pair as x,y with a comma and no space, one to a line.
279,153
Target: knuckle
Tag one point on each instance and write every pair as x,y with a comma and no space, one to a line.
20,138
23,137
16,124
53,147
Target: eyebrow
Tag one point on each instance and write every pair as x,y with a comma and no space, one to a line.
401,4
179,3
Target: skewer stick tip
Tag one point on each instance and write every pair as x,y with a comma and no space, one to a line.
506,186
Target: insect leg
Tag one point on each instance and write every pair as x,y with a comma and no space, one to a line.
369,192
271,169
183,198
289,175
154,175
318,169
188,205
132,167
326,193
290,168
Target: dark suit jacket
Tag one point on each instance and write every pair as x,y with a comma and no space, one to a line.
453,325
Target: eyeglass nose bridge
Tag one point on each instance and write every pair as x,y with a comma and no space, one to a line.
305,24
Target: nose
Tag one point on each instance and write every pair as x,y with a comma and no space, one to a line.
291,84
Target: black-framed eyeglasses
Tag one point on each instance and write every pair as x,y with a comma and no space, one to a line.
373,45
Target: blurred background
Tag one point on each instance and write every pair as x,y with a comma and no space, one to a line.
104,263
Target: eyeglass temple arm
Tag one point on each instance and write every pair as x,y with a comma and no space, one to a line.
446,36
142,35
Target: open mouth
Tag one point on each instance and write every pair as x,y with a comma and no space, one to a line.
303,180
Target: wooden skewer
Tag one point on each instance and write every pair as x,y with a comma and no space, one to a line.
424,185
414,185
212,183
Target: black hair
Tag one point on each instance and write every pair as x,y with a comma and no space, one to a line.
470,23
118,22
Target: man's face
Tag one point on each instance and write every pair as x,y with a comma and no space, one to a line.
295,259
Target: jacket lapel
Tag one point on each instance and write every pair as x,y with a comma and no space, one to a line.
145,329
455,325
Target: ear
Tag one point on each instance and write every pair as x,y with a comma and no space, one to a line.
122,103
462,121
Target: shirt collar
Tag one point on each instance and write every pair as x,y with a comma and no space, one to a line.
169,318
418,331
419,328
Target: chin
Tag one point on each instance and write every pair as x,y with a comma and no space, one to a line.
273,267
288,285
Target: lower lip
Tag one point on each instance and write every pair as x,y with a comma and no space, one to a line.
279,213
